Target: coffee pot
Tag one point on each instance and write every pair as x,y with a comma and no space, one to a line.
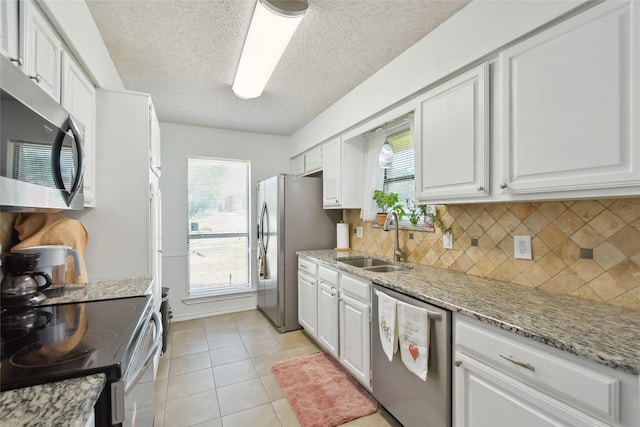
19,285
53,261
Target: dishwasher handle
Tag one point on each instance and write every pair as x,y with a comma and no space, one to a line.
432,315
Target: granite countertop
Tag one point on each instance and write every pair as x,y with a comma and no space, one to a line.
597,331
65,403
101,290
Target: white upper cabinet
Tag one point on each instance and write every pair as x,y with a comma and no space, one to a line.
9,29
342,173
571,105
41,49
332,173
79,99
313,160
452,139
308,162
297,165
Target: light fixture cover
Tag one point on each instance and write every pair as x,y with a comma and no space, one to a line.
273,24
385,156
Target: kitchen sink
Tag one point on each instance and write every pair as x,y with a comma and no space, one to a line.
374,265
385,268
364,262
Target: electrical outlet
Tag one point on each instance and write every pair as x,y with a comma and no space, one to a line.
522,247
359,232
447,241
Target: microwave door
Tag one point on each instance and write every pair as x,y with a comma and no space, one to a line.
67,159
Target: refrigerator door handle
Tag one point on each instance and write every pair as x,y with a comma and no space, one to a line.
265,240
261,248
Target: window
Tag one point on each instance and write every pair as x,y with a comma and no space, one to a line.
400,177
218,238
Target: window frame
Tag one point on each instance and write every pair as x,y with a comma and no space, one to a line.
401,127
213,289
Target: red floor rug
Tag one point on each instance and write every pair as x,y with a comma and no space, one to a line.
321,392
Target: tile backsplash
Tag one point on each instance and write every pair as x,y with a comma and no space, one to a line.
558,230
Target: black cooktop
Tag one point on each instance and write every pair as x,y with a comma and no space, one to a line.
52,343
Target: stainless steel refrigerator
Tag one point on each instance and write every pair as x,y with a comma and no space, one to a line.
290,218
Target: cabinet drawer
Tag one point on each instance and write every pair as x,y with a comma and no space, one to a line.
357,288
328,275
570,381
307,266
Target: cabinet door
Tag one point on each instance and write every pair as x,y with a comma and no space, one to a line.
570,104
313,160
42,50
308,303
355,350
79,99
332,173
154,141
452,146
328,317
297,165
485,397
9,29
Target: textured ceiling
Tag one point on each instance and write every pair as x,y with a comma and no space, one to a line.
185,52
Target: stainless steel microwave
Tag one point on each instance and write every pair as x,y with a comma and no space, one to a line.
41,148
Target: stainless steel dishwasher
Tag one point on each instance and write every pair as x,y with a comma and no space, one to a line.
410,400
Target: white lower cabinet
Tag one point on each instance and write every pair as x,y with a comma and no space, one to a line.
308,303
355,347
486,397
503,379
328,317
341,310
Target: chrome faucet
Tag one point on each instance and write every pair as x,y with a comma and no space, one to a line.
393,215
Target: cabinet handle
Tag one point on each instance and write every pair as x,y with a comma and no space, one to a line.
503,186
333,291
37,78
517,362
458,363
480,188
18,61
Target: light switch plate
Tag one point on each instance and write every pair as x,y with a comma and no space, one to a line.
522,247
359,232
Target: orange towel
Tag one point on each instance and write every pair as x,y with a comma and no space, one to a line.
35,229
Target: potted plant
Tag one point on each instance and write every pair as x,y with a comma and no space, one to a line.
384,201
414,211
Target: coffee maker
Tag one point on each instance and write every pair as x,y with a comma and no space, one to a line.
53,262
19,286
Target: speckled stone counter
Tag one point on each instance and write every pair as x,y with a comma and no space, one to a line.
101,290
66,403
600,332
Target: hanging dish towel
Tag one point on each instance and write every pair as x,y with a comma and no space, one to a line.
387,324
35,229
413,334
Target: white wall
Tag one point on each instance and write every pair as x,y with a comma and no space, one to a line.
118,229
475,31
268,155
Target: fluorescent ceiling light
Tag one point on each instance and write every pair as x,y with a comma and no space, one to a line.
271,29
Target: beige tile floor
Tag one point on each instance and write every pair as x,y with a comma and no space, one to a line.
217,372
